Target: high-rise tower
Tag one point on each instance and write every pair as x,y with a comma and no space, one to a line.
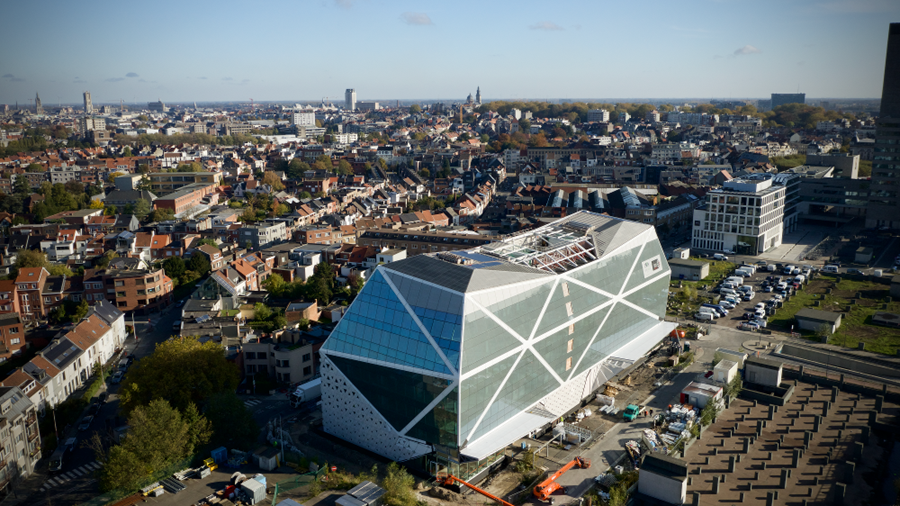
38,107
88,105
478,96
884,198
350,99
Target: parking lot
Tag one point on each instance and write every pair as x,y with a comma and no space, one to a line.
735,317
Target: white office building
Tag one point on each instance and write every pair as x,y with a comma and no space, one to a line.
598,115
746,216
350,99
303,118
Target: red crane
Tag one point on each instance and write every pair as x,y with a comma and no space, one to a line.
450,479
545,488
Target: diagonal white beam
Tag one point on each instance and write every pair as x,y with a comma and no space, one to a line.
494,397
544,309
633,265
591,342
588,287
429,407
415,318
389,365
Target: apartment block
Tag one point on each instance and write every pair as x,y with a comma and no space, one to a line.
164,183
746,216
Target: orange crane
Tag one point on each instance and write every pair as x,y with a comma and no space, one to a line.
450,479
544,489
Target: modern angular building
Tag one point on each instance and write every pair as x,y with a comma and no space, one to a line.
884,194
449,357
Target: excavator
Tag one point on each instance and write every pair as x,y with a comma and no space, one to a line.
450,479
545,488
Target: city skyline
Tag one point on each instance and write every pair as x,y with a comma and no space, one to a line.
671,51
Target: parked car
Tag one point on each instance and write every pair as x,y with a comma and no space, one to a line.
749,316
726,304
94,408
854,271
767,288
117,377
749,296
751,325
85,423
102,397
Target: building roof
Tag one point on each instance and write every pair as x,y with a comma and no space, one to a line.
664,465
818,316
687,263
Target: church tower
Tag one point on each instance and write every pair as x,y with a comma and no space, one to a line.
38,108
478,96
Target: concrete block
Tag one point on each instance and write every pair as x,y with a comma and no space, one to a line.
879,403
715,451
722,480
696,501
840,490
815,480
690,480
851,469
858,448
715,487
731,462
770,499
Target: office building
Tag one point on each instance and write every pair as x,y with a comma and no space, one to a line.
368,106
164,183
745,216
303,119
884,197
787,98
158,106
88,105
448,358
350,99
597,115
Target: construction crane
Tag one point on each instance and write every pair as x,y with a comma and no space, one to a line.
251,104
450,479
546,488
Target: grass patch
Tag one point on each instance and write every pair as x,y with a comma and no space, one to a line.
788,162
856,323
230,313
687,297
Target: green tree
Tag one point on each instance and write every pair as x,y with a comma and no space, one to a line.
208,242
189,167
261,312
344,168
415,109
296,168
398,487
175,365
106,258
127,152
274,284
35,167
272,179
160,214
26,258
141,209
59,270
159,436
174,267
304,195
199,263
22,186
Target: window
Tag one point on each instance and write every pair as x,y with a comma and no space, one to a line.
565,289
571,329
568,363
307,357
570,345
15,341
14,330
307,370
120,283
47,299
569,310
120,294
251,355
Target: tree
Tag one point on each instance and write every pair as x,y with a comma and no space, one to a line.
274,284
734,387
272,179
199,263
35,167
26,258
233,424
127,152
424,172
107,257
709,412
261,312
96,204
174,267
159,436
179,370
189,167
304,195
59,270
296,168
398,487
415,109
141,209
22,186
344,168
160,214
112,177
208,242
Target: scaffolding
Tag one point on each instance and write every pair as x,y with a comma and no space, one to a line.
553,248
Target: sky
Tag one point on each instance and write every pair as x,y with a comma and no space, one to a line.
302,50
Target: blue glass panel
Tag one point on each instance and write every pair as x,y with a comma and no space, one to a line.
377,326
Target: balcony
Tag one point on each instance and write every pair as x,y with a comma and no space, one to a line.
31,418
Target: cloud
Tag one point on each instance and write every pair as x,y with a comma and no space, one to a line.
204,77
748,49
131,74
13,78
416,18
547,26
114,79
7,76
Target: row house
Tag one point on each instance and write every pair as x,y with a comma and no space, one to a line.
12,336
20,437
29,286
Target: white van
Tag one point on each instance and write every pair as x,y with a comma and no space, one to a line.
741,272
727,291
751,268
830,268
788,269
704,316
719,256
729,286
799,278
771,268
705,309
737,280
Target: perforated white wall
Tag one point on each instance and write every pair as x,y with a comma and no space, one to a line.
349,416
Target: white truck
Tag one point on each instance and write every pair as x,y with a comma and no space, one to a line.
307,392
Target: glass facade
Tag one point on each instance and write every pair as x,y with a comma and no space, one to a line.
651,264
652,297
400,395
607,274
380,328
485,340
439,425
518,307
438,310
564,308
476,393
